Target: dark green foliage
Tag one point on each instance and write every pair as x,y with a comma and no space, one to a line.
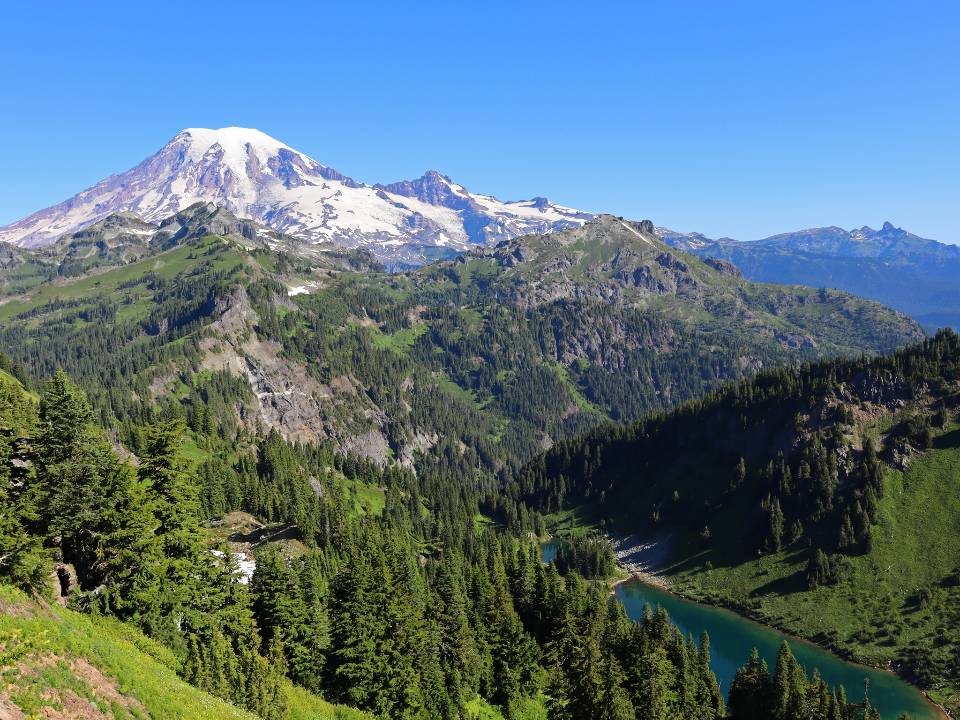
21,558
377,634
591,556
796,475
132,538
409,615
790,694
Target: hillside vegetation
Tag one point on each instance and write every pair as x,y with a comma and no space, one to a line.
823,499
283,465
414,613
59,663
485,360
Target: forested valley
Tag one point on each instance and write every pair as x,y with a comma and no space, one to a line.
416,612
822,499
374,444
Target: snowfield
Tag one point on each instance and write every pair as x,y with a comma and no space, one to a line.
260,178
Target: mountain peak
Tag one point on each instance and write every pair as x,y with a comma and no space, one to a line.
256,176
235,142
230,136
436,175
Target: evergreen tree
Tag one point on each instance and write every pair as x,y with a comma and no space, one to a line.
614,701
183,563
655,696
776,524
751,693
21,554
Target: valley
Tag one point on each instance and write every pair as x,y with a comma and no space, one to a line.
869,573
317,393
398,361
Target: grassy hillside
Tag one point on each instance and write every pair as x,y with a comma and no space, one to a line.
127,285
899,603
58,663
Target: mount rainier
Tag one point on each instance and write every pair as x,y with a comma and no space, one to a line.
257,177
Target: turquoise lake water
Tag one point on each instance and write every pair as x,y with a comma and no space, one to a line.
732,638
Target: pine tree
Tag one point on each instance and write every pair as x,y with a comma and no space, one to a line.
183,563
776,524
456,647
818,570
655,696
376,639
709,698
848,537
614,701
751,693
22,562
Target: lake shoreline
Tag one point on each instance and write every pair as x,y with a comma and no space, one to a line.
652,576
643,560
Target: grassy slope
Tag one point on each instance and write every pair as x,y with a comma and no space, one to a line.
400,341
131,676
526,709
165,265
874,614
8,378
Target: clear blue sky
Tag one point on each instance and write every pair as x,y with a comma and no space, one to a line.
731,118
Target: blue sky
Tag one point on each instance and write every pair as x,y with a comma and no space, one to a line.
731,118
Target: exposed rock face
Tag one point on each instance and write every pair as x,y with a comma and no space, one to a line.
723,267
116,240
287,397
207,219
371,445
608,259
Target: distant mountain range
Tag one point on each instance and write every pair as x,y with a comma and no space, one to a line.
909,273
413,222
258,177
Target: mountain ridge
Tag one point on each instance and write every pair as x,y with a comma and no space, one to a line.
904,271
829,239
604,319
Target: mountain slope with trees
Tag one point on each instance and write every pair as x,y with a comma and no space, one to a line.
372,424
413,613
822,499
503,351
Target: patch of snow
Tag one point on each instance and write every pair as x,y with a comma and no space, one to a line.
245,565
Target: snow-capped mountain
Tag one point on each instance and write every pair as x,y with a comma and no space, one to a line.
257,177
